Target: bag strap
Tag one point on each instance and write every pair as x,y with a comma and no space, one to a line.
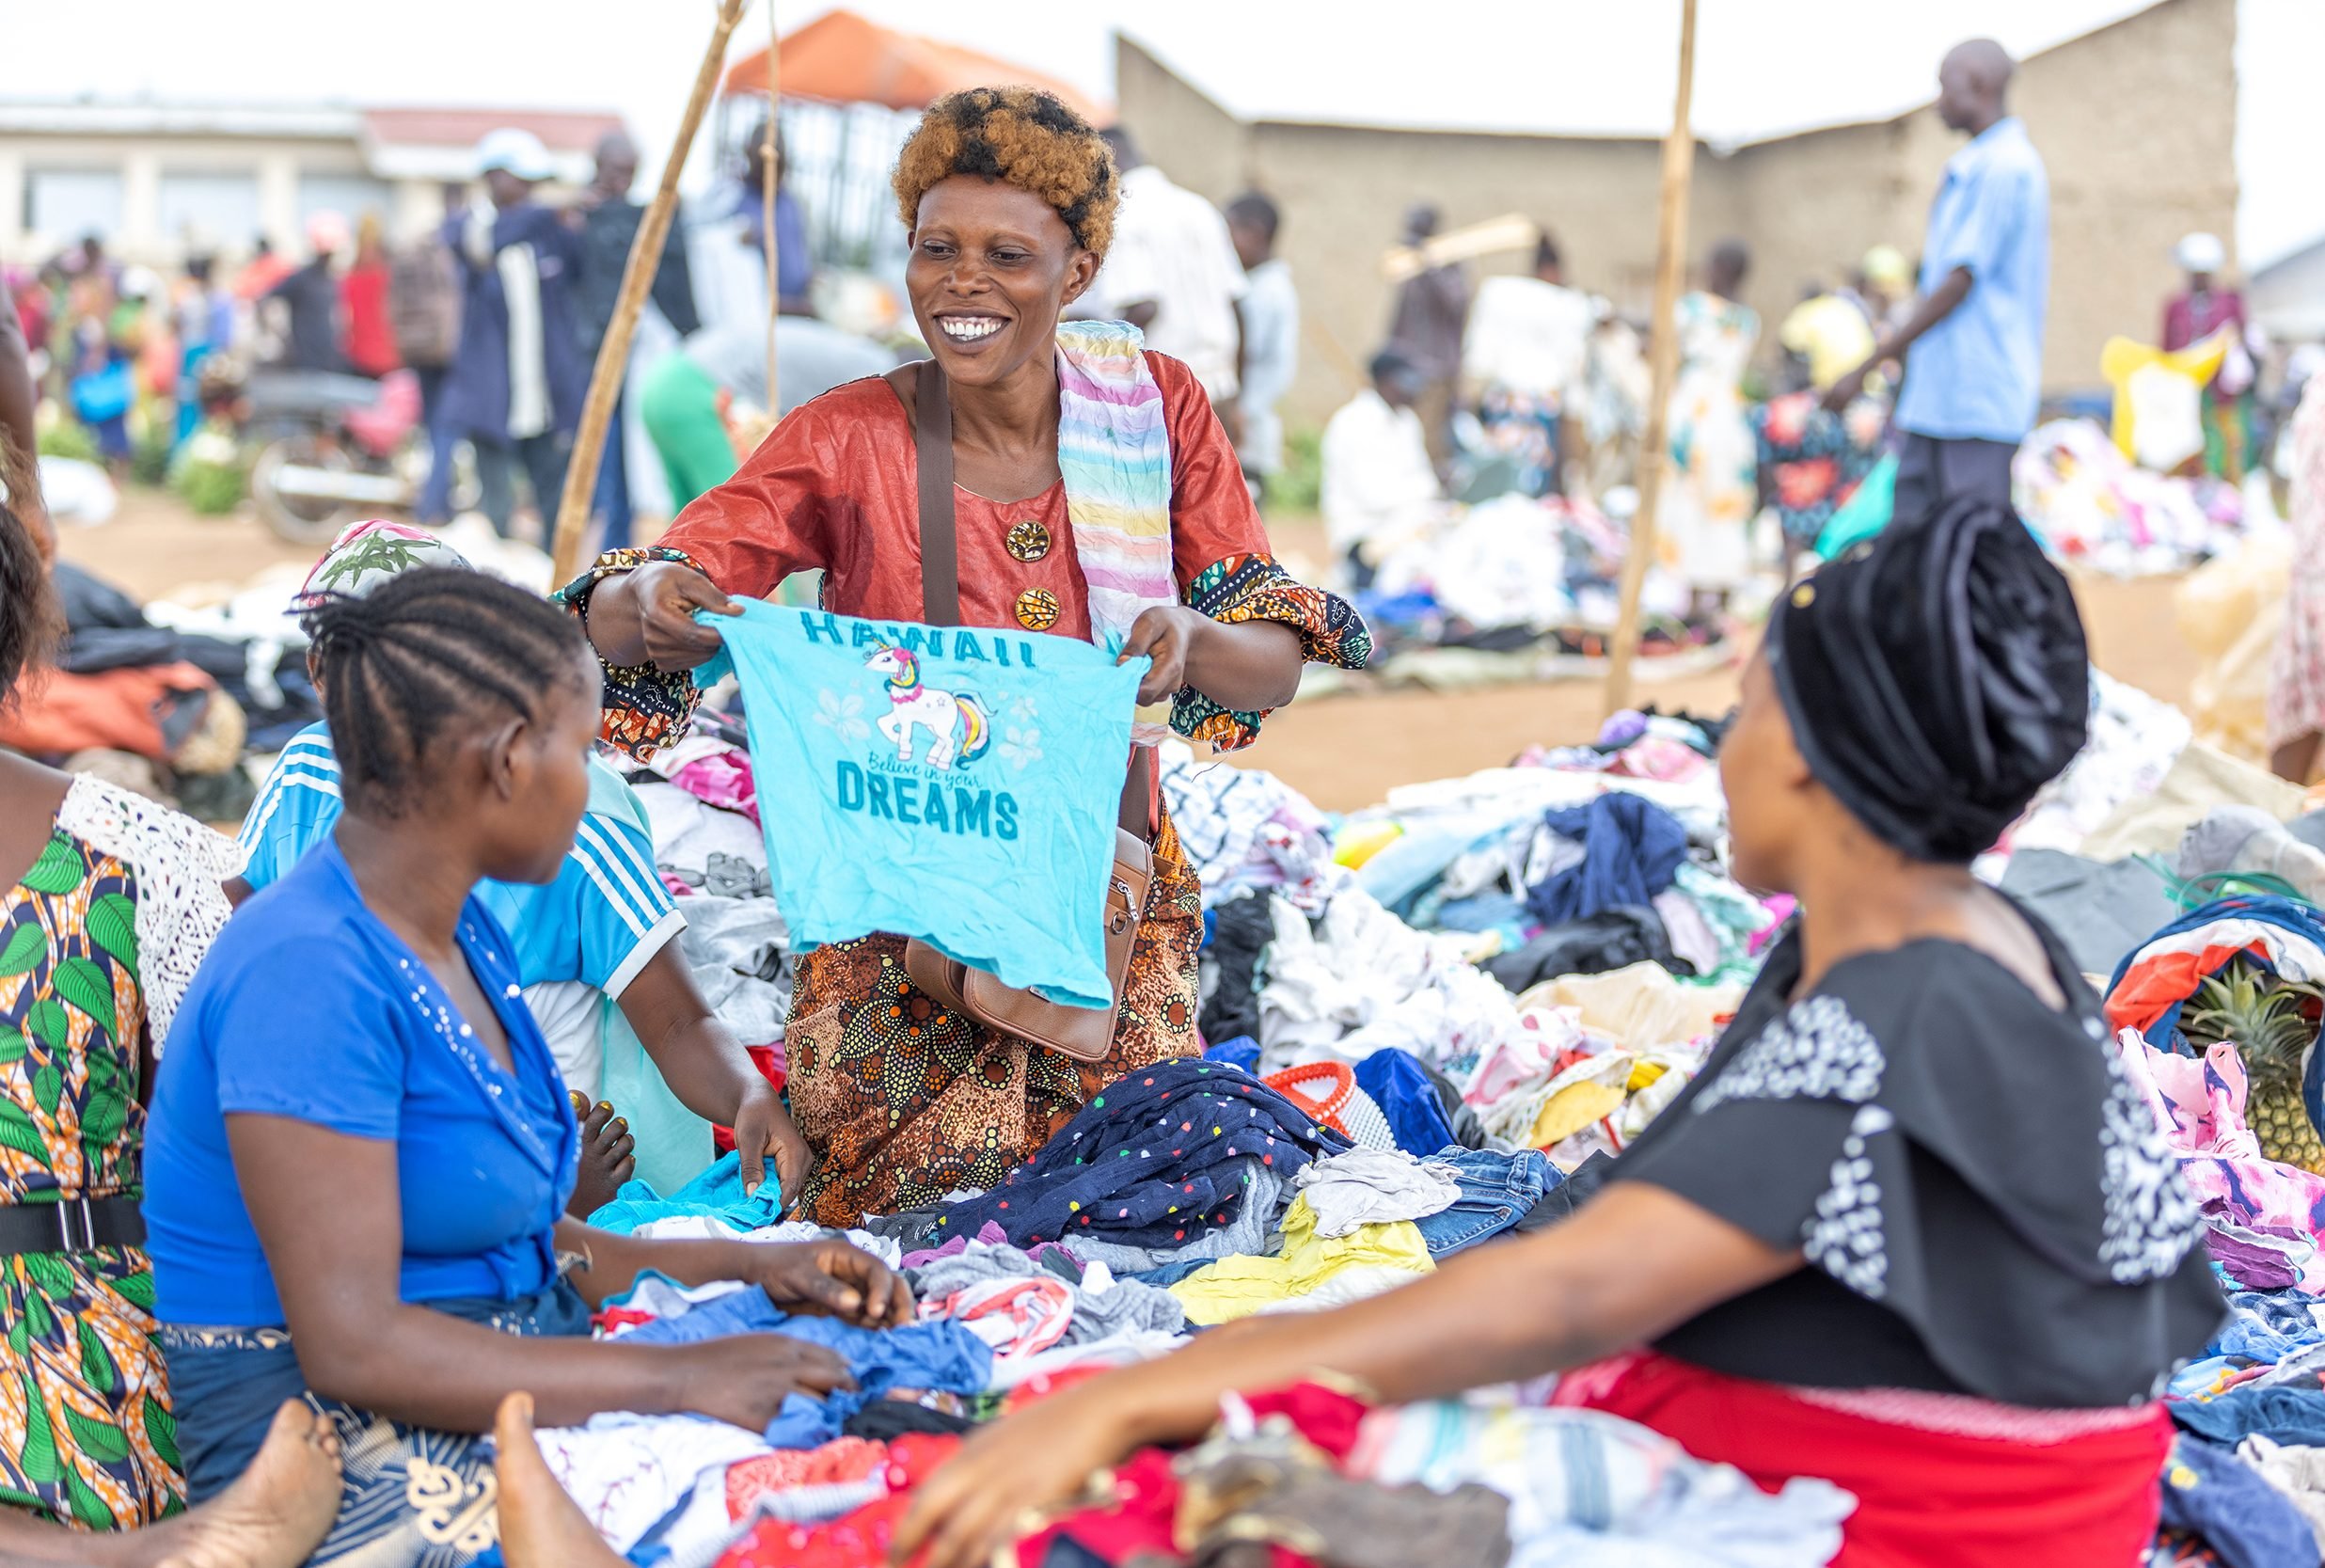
940,540
940,544
1138,813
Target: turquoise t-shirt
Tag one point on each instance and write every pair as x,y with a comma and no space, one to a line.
959,784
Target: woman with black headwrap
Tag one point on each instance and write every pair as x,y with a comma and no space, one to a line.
1910,1230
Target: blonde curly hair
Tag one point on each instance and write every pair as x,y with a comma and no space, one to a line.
1024,138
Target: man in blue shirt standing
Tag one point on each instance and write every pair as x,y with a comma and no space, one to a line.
1974,372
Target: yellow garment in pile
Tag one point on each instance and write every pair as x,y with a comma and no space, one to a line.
1312,1274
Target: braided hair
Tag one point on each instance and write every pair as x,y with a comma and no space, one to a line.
436,651
31,619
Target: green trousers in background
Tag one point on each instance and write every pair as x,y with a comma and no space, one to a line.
679,405
678,402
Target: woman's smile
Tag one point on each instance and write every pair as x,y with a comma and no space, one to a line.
969,327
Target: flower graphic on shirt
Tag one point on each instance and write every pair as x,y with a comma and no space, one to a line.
843,716
1022,710
1020,748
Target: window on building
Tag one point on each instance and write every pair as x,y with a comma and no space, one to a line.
350,196
208,210
63,204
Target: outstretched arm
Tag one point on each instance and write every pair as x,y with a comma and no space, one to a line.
1636,1261
708,1068
1935,306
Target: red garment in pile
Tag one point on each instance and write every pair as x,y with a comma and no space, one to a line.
1941,1480
1139,1518
858,1540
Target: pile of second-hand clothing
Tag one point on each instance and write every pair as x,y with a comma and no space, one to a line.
1555,943
166,712
1510,589
1190,1194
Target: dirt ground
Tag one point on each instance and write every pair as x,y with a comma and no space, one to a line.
1343,751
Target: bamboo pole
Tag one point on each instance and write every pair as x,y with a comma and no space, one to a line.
1663,361
774,298
589,442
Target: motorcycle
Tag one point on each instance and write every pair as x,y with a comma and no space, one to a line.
333,448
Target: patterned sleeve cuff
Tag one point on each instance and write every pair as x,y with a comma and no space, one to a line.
1255,588
645,708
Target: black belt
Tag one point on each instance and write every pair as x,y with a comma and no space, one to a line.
70,1225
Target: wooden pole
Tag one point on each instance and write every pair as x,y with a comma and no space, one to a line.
1663,361
774,298
589,442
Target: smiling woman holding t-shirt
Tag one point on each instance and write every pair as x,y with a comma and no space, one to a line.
1011,199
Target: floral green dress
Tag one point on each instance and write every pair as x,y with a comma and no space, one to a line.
85,1433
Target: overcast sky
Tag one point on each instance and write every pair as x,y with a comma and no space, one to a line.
1518,64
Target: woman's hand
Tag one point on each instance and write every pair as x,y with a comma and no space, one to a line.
745,1378
829,1280
649,613
1248,664
1166,634
987,1495
763,1129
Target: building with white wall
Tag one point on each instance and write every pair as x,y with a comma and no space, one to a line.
161,180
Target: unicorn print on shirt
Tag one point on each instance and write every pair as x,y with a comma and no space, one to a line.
959,729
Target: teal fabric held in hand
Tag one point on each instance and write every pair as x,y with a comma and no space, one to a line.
961,785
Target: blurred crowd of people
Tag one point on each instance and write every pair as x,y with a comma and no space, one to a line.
487,325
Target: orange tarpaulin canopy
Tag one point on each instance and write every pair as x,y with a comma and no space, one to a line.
842,58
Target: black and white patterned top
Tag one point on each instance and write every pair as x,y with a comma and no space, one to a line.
1983,1201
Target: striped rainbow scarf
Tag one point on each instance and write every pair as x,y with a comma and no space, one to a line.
1113,448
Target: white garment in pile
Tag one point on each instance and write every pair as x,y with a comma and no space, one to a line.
1364,979
1371,1186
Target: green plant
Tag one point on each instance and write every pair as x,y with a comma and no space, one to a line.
210,475
68,438
1299,485
148,456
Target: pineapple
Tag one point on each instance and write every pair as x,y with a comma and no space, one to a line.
2272,1026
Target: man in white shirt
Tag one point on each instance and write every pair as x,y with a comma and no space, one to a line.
1172,274
1271,313
1378,482
1522,361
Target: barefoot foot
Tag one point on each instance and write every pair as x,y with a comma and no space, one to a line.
540,1527
607,1158
274,1515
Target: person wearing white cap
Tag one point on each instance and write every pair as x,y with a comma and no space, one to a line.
517,383
2196,312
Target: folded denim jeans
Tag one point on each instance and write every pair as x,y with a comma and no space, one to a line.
1497,1190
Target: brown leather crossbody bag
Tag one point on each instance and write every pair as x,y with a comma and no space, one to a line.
1085,1033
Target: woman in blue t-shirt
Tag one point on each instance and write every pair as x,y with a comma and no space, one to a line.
361,1148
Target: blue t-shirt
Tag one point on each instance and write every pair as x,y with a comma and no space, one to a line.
957,784
599,922
310,1007
1978,373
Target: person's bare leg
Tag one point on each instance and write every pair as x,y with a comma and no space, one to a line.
539,1526
272,1517
2296,759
